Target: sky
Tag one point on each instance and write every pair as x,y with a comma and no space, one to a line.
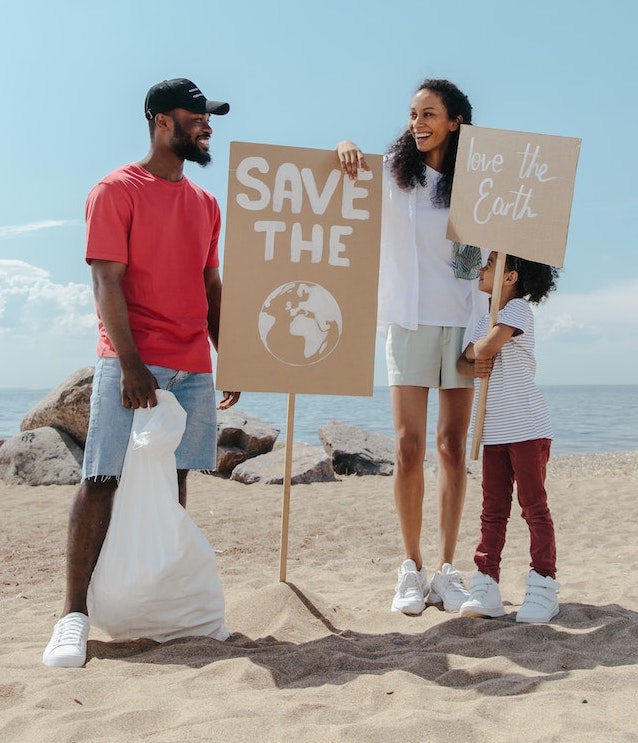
309,75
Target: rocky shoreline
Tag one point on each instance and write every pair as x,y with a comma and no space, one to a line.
49,448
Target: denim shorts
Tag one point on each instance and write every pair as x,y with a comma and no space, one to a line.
110,422
425,357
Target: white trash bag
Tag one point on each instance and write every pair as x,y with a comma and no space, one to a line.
156,575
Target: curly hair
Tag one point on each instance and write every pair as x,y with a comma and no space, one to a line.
407,165
535,280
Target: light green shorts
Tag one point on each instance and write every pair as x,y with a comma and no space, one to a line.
425,357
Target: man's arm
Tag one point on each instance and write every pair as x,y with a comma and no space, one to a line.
213,284
137,384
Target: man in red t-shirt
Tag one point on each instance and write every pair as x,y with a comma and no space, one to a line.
152,246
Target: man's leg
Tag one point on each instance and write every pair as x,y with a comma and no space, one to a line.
88,524
181,487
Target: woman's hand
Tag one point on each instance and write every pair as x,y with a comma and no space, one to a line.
351,159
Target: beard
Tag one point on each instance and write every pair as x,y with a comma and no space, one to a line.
184,147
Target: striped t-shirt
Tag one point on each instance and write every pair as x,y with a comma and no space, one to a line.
516,410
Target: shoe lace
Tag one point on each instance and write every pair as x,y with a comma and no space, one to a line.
69,632
455,579
410,579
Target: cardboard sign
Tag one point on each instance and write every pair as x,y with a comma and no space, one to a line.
513,192
301,267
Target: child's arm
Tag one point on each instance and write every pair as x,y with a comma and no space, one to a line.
491,344
469,366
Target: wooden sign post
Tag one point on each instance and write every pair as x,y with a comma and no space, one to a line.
301,267
512,194
479,417
285,503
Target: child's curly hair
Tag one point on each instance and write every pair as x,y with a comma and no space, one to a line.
535,280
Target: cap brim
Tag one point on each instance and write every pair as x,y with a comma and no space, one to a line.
216,107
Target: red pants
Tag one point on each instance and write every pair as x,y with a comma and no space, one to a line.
504,464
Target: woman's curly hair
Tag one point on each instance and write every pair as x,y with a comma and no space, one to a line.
407,164
535,280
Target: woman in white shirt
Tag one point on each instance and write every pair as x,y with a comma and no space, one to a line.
427,294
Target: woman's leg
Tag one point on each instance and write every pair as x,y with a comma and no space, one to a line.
455,408
409,412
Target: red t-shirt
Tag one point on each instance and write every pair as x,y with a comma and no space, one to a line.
166,233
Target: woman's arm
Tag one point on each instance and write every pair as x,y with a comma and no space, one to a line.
465,363
351,159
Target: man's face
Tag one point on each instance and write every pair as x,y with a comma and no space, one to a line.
191,136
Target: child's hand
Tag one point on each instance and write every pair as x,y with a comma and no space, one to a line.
483,367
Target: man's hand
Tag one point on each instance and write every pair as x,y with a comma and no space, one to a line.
228,400
138,387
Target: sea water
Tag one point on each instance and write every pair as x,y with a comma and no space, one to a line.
585,418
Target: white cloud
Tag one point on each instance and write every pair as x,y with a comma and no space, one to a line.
589,338
16,230
584,338
30,302
47,330
612,310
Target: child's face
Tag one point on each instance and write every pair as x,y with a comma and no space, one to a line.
486,274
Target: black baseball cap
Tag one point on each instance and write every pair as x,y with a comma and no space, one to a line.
180,93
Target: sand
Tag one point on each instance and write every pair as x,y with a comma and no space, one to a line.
321,657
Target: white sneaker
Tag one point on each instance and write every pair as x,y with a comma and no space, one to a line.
541,601
411,589
485,598
67,646
448,587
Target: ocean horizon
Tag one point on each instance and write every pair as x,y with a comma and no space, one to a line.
585,418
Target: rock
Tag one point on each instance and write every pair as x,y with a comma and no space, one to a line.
65,408
44,456
228,457
241,437
355,451
309,464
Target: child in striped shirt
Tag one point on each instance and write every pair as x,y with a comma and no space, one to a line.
516,441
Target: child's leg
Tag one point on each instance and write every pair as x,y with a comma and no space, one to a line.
498,483
529,459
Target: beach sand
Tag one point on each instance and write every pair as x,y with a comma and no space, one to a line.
321,657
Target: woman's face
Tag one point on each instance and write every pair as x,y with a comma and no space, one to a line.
430,125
